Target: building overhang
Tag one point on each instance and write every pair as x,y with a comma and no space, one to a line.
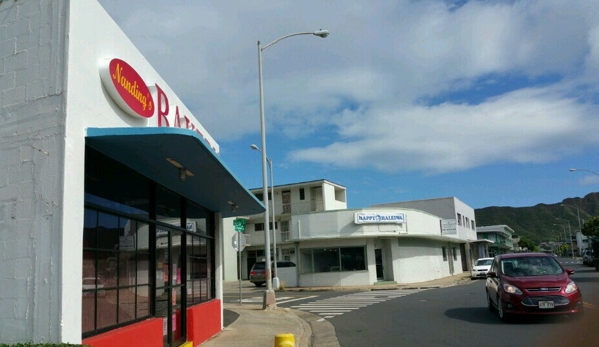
483,241
151,151
387,237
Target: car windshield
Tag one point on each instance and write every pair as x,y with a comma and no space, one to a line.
259,266
482,262
530,266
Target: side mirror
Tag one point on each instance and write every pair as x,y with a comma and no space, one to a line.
491,274
570,271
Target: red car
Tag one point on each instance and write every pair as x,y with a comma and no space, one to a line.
531,284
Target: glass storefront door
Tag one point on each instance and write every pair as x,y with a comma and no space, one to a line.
169,284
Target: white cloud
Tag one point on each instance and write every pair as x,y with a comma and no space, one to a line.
369,78
525,126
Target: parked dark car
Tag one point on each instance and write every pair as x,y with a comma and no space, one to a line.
531,284
588,258
258,271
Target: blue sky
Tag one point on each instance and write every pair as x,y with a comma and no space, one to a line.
488,101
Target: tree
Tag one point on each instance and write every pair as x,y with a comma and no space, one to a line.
526,243
590,228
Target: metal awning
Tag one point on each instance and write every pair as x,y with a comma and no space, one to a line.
161,153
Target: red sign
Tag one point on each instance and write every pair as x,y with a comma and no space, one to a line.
127,88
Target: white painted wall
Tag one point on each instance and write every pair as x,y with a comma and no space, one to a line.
50,51
32,97
420,260
340,224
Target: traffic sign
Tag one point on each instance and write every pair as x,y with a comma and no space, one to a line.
238,237
239,224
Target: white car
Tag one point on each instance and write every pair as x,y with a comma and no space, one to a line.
481,267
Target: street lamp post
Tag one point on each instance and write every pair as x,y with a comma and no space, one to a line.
564,230
570,230
269,294
578,217
275,279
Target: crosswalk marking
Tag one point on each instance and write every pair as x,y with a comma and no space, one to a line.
333,307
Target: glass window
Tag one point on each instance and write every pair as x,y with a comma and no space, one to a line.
115,284
302,194
332,259
352,259
444,254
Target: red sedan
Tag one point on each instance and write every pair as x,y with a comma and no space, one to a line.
531,284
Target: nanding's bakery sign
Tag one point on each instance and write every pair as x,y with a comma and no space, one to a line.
138,99
127,88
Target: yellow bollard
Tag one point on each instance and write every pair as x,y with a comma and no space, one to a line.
284,340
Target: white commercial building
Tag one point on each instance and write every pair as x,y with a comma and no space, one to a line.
112,194
334,246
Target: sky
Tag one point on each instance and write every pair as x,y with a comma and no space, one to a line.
488,101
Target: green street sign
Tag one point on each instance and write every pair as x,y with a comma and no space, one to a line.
239,224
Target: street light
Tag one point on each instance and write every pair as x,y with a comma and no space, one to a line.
269,294
593,172
564,230
272,204
577,216
570,230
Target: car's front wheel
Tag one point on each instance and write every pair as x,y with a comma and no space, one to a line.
502,314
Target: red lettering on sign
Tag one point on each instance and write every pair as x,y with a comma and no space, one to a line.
162,107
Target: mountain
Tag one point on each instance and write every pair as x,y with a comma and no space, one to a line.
538,222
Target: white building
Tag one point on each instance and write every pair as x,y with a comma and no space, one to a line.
112,194
501,237
334,246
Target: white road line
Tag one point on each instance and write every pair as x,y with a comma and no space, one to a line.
286,301
336,306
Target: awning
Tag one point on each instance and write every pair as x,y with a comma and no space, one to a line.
157,152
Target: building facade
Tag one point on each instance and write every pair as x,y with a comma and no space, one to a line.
334,246
500,235
112,194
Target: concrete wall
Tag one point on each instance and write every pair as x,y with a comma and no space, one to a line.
337,224
32,118
418,260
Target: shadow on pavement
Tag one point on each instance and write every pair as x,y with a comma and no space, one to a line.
482,315
229,317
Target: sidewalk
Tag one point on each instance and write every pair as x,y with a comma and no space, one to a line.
256,327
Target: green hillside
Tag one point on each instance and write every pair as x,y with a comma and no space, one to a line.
537,222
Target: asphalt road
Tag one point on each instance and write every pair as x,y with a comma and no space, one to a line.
453,316
458,316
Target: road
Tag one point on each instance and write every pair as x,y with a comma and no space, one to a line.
452,316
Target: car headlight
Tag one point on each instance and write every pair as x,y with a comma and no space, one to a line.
511,289
571,287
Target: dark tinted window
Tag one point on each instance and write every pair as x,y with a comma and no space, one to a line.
285,264
258,266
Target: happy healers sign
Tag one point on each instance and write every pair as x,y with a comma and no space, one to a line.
126,87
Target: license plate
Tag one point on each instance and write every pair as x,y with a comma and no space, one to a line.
546,304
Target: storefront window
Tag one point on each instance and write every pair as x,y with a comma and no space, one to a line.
115,271
139,260
332,259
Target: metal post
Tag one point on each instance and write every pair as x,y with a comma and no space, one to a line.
269,294
275,280
239,262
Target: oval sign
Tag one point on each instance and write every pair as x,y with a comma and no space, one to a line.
127,88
